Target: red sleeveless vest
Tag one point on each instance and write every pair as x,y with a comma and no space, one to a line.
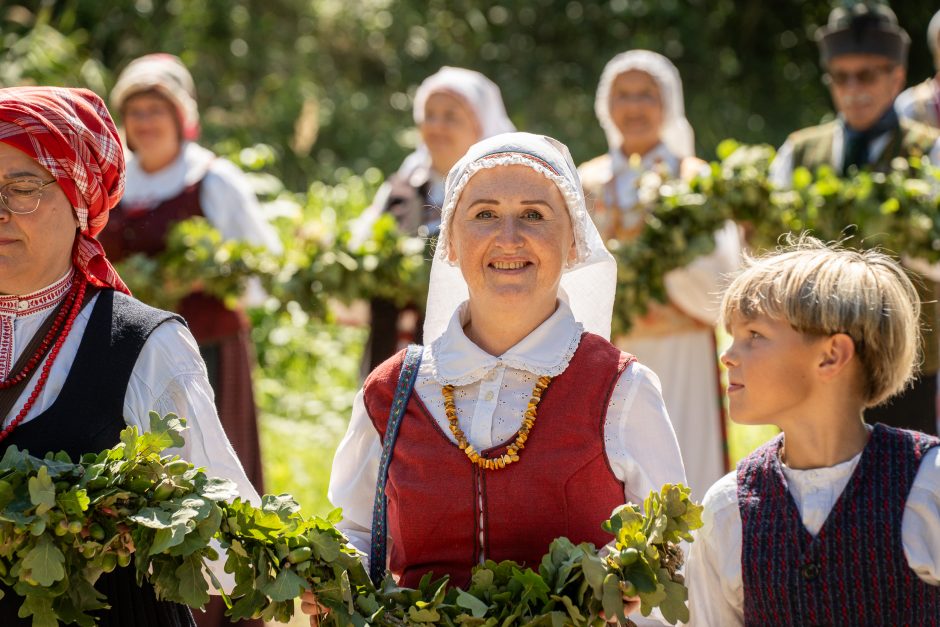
439,502
130,230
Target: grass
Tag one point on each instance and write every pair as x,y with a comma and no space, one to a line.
307,377
301,464
742,439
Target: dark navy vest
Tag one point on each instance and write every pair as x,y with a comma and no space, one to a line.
854,572
88,416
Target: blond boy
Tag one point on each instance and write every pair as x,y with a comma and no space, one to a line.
834,522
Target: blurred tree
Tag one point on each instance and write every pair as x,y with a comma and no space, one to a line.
329,83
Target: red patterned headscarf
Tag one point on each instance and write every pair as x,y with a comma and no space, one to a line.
70,133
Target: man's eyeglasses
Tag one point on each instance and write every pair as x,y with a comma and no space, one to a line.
22,196
868,76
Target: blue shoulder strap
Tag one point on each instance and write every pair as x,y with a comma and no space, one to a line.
406,383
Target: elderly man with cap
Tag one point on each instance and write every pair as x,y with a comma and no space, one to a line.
922,101
864,53
80,359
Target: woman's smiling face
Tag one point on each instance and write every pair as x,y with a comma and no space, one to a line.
511,235
449,129
636,107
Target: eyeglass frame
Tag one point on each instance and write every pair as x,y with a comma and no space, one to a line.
866,77
4,198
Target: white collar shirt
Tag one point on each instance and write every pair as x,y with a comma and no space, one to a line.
716,587
491,396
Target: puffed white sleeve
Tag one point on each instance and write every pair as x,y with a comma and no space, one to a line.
696,288
638,436
361,227
170,376
920,525
354,476
231,206
713,568
641,444
781,168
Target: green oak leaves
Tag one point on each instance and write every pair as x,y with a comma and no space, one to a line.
63,524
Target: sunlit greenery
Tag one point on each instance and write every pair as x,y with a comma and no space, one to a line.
329,84
313,98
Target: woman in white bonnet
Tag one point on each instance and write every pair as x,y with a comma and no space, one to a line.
639,105
453,109
524,423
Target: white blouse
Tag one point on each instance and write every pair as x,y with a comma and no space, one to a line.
491,397
169,376
225,196
716,588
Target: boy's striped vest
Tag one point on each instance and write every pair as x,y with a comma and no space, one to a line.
854,572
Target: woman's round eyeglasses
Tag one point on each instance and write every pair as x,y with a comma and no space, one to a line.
22,197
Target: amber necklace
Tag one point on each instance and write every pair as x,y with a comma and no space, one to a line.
512,452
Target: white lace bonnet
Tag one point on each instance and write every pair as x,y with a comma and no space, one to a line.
676,132
477,91
587,285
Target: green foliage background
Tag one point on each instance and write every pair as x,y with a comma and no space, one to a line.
326,86
283,72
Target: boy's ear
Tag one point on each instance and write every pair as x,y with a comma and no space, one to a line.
838,352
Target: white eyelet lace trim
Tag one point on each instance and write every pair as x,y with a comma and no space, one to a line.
573,198
511,361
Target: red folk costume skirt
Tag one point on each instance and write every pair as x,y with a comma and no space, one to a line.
446,515
222,335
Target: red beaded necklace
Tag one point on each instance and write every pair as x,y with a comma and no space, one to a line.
51,344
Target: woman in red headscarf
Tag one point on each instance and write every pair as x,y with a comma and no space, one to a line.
80,359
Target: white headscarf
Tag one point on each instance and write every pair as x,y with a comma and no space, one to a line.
476,91
166,74
587,285
676,132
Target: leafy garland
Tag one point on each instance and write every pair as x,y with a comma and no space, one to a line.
898,211
312,269
63,524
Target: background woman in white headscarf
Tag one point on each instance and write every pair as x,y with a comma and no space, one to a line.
171,178
519,310
639,105
453,109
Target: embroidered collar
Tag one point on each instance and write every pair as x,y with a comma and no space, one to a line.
13,307
455,360
16,306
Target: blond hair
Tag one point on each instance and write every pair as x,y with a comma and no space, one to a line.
822,289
